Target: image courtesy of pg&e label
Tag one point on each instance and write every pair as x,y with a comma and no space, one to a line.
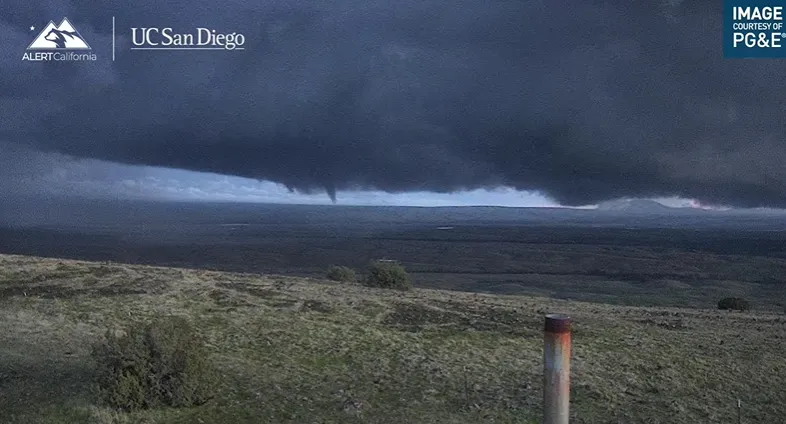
754,28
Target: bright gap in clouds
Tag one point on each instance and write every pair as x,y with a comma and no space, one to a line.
59,175
168,184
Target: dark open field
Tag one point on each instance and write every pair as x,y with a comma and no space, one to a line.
689,259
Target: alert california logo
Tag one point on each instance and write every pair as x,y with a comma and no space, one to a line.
59,43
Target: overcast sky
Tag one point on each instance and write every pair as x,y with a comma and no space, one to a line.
397,102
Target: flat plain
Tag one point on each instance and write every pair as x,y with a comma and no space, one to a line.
690,260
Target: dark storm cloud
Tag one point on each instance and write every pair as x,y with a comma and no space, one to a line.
584,101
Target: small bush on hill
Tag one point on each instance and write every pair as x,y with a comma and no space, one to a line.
341,273
160,364
387,275
734,303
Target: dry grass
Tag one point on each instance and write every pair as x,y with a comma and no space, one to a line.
307,351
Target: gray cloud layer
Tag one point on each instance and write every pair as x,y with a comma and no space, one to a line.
585,102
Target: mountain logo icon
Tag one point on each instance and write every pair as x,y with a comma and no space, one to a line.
60,37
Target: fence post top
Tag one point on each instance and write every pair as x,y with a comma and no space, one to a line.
557,323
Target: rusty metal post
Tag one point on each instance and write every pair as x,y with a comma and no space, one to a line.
556,369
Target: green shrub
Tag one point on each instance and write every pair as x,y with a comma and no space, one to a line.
341,273
734,303
387,275
160,364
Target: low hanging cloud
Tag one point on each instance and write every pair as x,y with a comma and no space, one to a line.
30,176
583,102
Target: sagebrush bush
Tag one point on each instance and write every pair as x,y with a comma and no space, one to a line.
734,303
341,273
387,275
163,363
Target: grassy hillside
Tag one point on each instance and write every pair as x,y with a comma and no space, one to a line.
305,351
